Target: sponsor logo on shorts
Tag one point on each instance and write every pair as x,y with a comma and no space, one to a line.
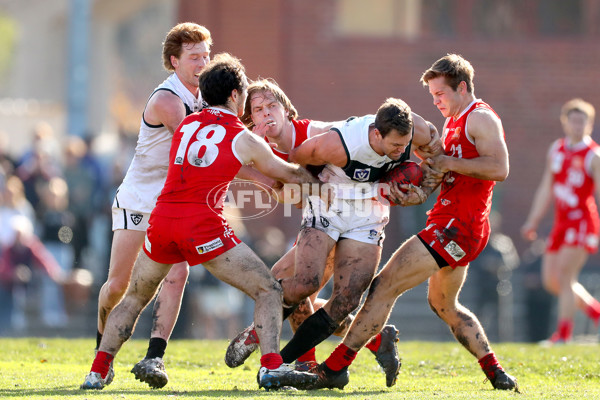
324,221
209,246
136,218
454,250
373,234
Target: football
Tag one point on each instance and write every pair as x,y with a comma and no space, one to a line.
405,173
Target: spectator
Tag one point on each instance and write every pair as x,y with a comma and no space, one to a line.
23,253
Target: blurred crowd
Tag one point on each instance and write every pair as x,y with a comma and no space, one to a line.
55,235
54,223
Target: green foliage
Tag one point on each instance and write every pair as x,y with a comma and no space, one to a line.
54,368
8,30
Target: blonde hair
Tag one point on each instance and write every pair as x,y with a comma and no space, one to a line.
578,105
267,85
454,68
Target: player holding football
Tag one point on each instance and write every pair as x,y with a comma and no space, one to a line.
270,113
356,154
187,224
186,50
572,174
457,228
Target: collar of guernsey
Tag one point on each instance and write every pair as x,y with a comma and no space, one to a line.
188,98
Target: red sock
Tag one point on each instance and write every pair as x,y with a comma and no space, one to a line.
271,360
593,311
565,329
489,364
101,363
374,344
308,356
341,357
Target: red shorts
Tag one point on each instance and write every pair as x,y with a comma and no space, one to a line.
195,239
456,242
578,233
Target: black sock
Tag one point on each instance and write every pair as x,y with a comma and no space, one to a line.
313,331
288,310
156,348
98,339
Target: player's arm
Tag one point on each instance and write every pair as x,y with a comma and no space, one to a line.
248,173
425,143
255,150
492,164
426,140
326,148
541,202
165,108
317,127
596,173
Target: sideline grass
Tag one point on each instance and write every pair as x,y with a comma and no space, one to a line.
35,368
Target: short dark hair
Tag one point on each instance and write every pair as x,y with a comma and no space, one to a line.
220,77
454,68
394,114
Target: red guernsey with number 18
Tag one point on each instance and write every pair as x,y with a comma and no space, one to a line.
202,158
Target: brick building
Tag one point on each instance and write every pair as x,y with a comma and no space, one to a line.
339,58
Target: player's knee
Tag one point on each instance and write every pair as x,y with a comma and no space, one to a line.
551,284
177,275
303,288
270,287
114,290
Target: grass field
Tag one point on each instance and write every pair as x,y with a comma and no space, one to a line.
36,368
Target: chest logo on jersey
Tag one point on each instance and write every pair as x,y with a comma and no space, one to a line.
362,175
136,218
209,246
456,134
577,162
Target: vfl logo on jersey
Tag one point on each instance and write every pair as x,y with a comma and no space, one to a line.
210,246
454,250
136,218
362,175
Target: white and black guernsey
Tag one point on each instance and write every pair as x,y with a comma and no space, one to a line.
364,164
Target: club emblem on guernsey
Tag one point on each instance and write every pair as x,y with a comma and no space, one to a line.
136,218
209,246
362,175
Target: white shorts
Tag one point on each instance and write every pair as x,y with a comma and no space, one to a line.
361,220
128,219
